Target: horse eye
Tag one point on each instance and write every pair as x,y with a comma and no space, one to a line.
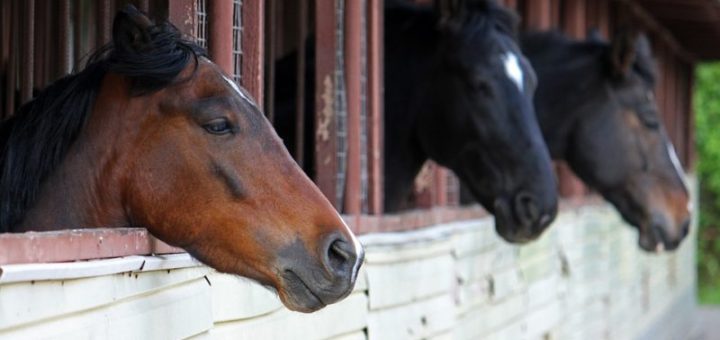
482,86
219,126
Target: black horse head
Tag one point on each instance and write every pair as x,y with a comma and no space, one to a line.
597,110
459,91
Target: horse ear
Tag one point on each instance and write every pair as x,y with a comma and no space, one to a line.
131,29
623,51
594,35
450,13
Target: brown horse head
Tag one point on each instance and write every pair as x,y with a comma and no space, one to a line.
598,111
170,143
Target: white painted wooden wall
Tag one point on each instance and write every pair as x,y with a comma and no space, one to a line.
585,279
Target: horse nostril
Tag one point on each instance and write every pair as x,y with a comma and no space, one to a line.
685,228
341,257
526,209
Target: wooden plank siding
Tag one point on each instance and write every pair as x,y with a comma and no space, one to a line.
584,278
438,279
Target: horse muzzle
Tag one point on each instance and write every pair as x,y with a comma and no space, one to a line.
521,219
309,283
659,237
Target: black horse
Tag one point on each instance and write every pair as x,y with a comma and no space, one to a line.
597,111
459,91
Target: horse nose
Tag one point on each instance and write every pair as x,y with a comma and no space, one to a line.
526,210
340,257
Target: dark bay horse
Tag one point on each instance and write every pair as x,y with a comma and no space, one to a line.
597,110
459,91
151,133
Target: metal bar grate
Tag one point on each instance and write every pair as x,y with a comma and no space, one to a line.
340,101
364,182
202,23
237,41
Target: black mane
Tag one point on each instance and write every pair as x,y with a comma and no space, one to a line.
476,18
484,15
568,55
35,140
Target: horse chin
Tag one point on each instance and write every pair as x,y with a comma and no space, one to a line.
297,296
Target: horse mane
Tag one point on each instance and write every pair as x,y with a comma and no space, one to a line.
540,43
480,16
502,18
35,140
475,18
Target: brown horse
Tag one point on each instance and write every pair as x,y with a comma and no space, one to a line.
597,110
151,133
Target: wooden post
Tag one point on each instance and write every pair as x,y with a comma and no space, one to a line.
220,41
574,23
300,85
511,4
555,14
14,43
5,22
271,31
353,73
104,22
28,51
441,196
253,43
64,34
538,15
375,105
325,121
144,5
79,26
43,27
182,14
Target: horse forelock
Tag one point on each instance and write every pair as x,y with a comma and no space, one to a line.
488,15
35,140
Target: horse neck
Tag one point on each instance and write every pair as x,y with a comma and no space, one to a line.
568,83
411,43
85,190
